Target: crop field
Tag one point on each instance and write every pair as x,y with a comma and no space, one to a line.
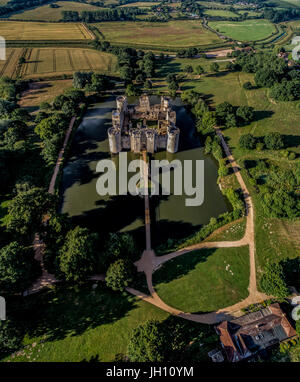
55,61
248,30
219,12
204,280
10,65
170,34
18,30
140,4
45,12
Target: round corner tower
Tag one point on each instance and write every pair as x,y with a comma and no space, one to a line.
114,139
173,139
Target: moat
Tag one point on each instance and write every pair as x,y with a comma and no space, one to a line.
169,215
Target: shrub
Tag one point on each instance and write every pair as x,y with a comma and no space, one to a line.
247,141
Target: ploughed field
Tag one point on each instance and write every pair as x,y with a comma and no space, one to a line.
18,30
248,30
181,34
55,61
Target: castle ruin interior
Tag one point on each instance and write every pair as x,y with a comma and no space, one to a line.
143,127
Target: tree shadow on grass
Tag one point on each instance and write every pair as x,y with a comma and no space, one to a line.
181,266
291,140
69,311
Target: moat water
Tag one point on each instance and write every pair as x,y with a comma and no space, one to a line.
169,215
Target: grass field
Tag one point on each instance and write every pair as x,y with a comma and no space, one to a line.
204,280
275,238
248,30
80,324
56,61
45,12
182,33
18,30
38,92
219,12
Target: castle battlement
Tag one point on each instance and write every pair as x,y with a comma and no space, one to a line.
143,127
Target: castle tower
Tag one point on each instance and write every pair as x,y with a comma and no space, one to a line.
136,140
122,103
145,102
151,140
173,139
165,103
114,139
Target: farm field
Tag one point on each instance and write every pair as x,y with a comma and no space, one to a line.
18,30
56,61
183,33
204,280
140,4
219,12
45,12
248,30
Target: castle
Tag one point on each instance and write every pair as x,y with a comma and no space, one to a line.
143,127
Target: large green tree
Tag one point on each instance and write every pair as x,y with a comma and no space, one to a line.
77,257
148,343
26,210
17,268
120,274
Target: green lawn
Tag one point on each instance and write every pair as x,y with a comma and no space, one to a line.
202,281
248,30
79,323
172,34
232,231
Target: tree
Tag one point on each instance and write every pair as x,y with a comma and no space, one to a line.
247,141
69,109
26,210
273,141
199,70
77,256
6,108
147,343
21,60
245,113
17,268
10,338
230,120
55,124
247,85
272,282
132,90
127,73
59,101
214,67
120,274
118,245
189,69
75,95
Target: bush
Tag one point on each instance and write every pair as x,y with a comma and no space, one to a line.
292,155
247,141
273,141
120,274
272,282
260,146
247,85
